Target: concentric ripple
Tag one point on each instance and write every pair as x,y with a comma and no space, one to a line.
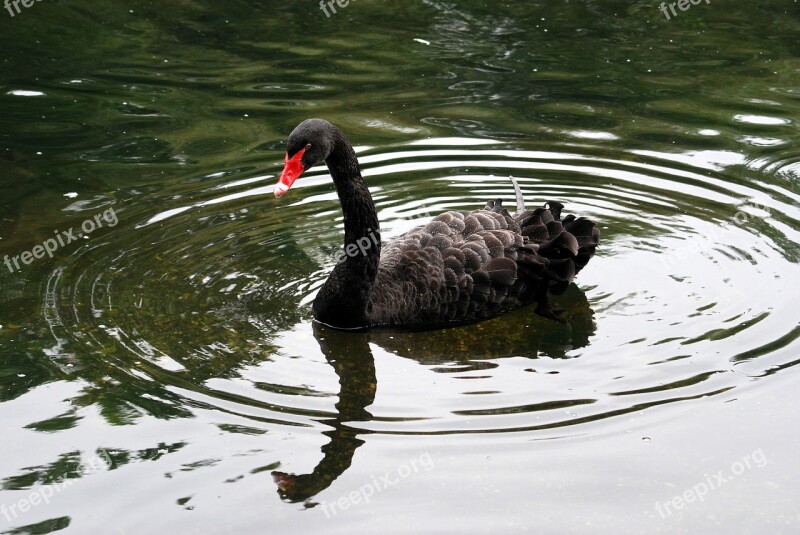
204,296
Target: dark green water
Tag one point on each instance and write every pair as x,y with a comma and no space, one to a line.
161,373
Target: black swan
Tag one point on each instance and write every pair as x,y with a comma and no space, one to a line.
462,267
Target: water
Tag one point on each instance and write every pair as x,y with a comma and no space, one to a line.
162,373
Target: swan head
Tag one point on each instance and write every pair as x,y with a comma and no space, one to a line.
310,143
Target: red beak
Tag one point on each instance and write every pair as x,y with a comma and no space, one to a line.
291,170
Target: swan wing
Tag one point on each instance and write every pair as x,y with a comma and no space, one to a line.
463,267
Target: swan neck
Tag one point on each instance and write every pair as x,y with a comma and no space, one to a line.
358,208
344,299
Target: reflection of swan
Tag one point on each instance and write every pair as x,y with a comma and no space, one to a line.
459,268
357,392
352,360
499,337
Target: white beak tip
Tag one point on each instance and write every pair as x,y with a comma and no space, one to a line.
280,189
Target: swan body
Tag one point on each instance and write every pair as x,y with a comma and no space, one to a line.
461,267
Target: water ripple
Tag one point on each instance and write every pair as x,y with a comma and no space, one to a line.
208,295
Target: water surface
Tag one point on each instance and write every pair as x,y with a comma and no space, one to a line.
161,373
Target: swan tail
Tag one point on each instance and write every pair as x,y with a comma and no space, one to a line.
573,238
587,235
559,249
